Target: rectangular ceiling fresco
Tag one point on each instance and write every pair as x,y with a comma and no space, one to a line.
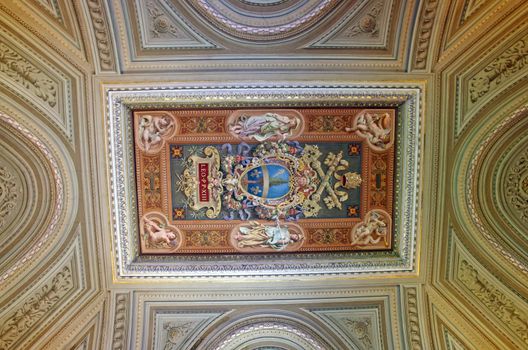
264,181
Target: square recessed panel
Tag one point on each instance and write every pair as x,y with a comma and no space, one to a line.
243,181
250,181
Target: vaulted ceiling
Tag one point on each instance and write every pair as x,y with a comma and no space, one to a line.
70,71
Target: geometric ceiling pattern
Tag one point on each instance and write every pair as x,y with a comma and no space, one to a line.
73,72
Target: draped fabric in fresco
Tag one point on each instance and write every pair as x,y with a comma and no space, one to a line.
267,180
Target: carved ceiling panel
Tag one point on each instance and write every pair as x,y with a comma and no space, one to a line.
25,182
58,15
503,168
342,319
72,74
163,32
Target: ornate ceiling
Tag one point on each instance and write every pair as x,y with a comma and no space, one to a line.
71,72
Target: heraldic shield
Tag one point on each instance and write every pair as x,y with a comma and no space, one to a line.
267,181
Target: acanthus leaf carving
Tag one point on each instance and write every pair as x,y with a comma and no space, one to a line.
362,330
508,63
161,24
517,186
495,300
9,193
176,332
21,71
35,308
368,24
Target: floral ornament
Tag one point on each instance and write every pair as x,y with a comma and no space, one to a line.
176,152
178,213
354,149
353,211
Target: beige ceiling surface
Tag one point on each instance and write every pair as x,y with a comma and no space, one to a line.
68,69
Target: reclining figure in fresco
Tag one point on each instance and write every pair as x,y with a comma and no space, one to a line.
265,126
259,235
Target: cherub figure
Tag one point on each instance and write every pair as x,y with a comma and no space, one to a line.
158,233
153,128
364,234
265,126
375,127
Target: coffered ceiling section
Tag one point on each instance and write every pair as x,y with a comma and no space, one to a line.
203,174
240,34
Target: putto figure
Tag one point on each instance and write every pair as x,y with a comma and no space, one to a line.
372,231
376,128
152,130
264,127
259,235
158,233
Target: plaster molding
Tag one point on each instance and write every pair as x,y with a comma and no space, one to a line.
451,342
425,33
84,330
103,41
121,320
281,298
179,329
23,318
10,195
516,186
261,331
38,82
36,307
161,26
242,21
470,8
365,26
58,206
21,72
501,313
362,327
413,318
512,313
504,69
468,201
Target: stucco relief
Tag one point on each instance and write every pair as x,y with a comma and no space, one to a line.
261,332
161,25
121,319
243,20
512,314
413,322
362,331
10,191
368,23
35,307
510,62
516,186
21,72
103,40
423,39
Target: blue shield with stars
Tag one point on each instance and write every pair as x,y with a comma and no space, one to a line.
269,181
